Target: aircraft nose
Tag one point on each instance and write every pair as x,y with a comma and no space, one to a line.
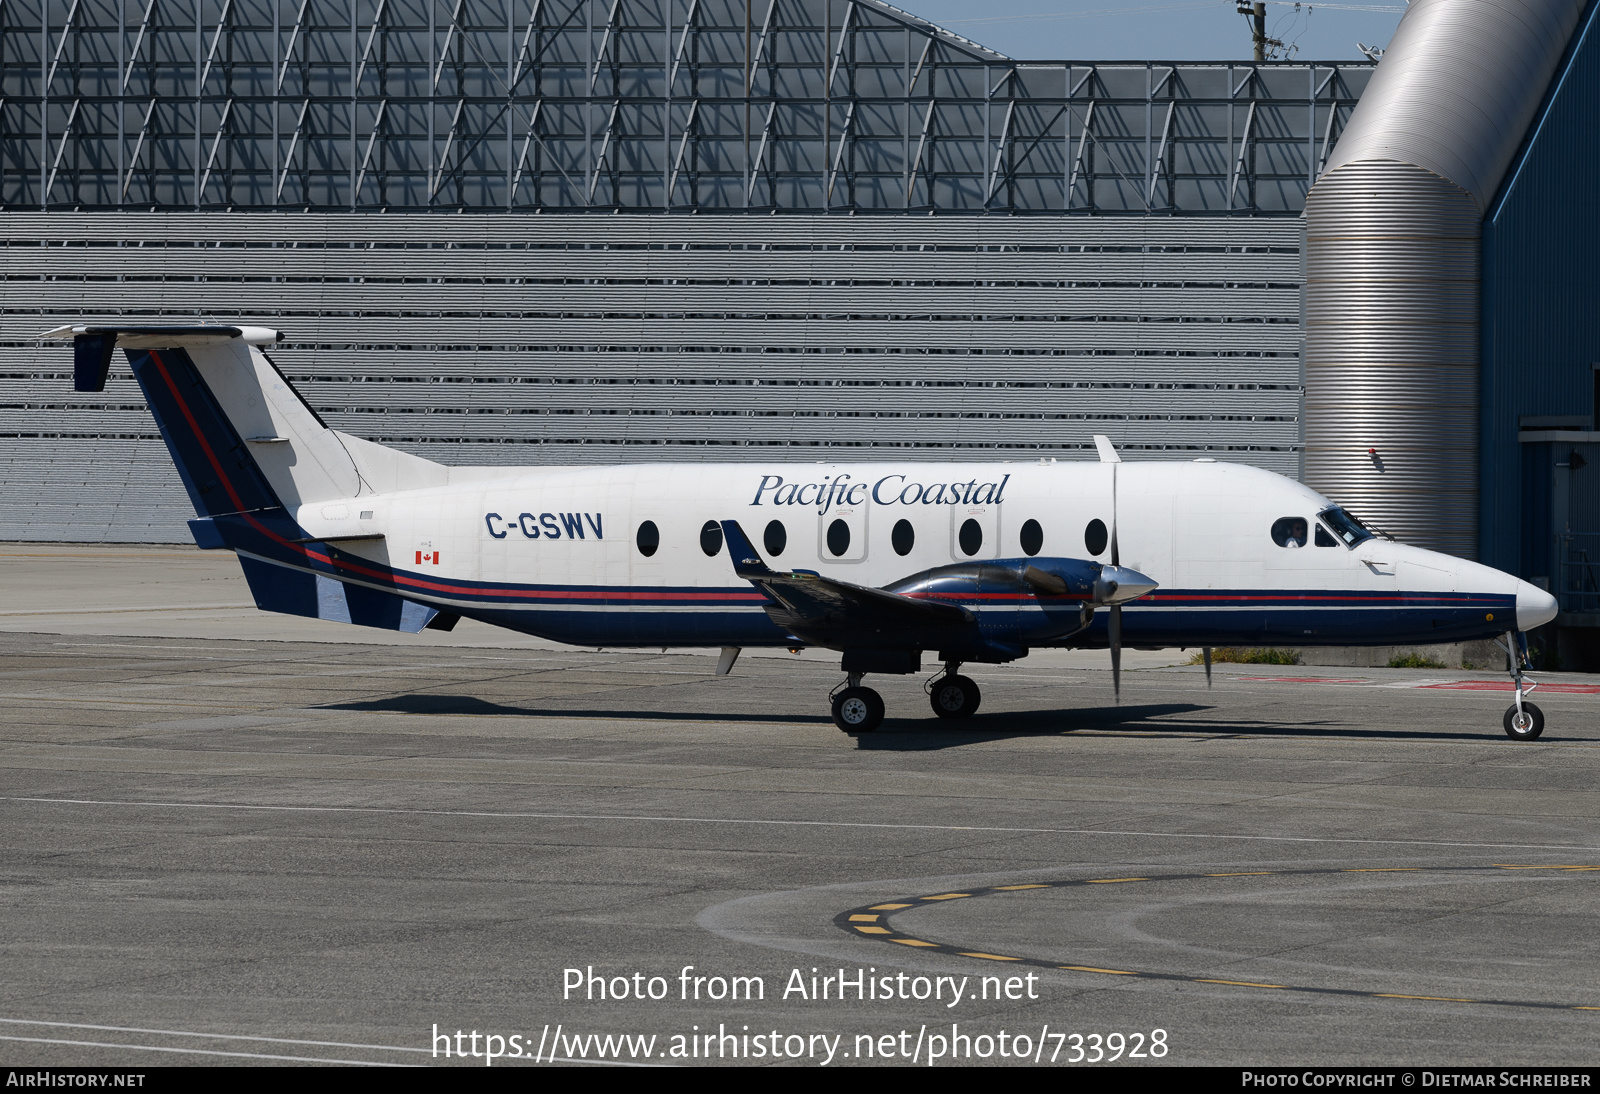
1535,607
1119,584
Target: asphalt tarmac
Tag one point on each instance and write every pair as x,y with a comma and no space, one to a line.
228,840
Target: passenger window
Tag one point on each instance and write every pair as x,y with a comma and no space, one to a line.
1289,531
776,538
970,537
1094,536
648,539
1032,537
838,538
903,538
1324,539
711,537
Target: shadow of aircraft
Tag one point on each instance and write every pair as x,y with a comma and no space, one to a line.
1152,720
472,705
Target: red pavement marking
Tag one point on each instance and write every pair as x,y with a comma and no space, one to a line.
1505,685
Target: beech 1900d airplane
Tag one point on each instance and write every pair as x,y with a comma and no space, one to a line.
883,562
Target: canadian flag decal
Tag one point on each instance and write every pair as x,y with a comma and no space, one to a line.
433,558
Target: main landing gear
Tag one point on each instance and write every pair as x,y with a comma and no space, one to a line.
857,709
860,710
1523,721
954,695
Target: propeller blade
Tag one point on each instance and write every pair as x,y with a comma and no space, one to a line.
1115,626
1206,653
1114,622
1116,557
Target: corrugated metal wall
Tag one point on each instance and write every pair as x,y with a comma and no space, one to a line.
558,339
1392,351
1541,283
1392,355
204,161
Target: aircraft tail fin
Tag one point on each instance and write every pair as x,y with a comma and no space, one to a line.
250,452
243,438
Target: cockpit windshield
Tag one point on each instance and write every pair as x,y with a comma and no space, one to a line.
1349,530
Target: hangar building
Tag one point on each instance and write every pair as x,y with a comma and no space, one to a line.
548,231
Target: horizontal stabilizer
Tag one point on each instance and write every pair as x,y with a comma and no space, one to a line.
234,422
364,537
93,345
255,530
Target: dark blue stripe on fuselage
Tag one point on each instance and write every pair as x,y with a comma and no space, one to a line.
599,615
1421,622
1372,626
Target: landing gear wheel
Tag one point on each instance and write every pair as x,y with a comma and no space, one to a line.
954,697
857,710
1527,726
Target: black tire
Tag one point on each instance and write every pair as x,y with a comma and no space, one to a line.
1533,722
858,710
954,697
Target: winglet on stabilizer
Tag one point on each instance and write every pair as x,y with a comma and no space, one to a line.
746,562
1108,453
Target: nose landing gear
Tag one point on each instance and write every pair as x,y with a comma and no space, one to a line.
1525,724
1523,721
857,709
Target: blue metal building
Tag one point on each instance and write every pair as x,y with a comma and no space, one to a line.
1539,439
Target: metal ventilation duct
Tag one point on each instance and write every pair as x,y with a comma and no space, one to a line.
1392,242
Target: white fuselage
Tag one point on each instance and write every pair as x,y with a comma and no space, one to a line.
556,551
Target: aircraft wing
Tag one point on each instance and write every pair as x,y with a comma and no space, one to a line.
805,600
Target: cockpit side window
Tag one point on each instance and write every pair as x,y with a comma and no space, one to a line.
1289,531
1349,530
1324,539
